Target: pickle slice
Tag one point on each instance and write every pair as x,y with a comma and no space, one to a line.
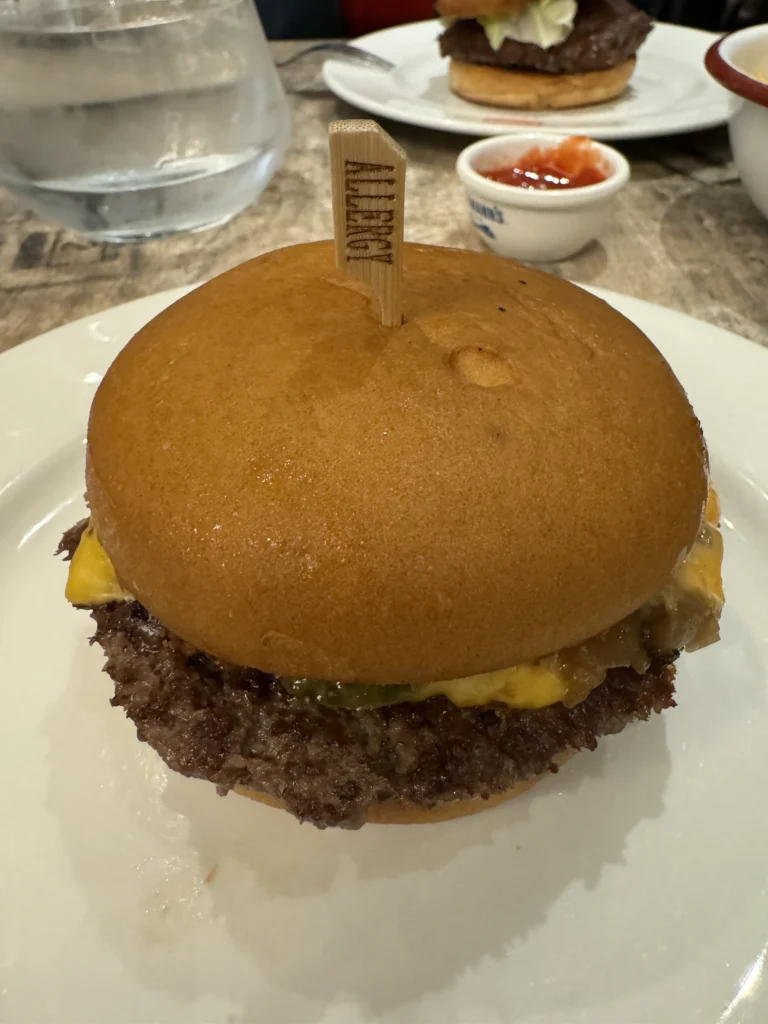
352,697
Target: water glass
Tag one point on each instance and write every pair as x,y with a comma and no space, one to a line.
135,119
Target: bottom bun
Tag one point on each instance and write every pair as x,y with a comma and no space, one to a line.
399,812
535,90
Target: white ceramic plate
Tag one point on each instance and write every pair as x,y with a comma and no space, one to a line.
629,889
670,91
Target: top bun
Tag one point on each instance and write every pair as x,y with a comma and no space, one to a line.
478,8
287,484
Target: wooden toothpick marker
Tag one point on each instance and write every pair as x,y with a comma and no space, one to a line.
368,174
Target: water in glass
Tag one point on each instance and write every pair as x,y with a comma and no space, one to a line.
132,119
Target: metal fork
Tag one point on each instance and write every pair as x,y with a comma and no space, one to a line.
342,51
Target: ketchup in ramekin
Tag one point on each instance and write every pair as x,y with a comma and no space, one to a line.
573,163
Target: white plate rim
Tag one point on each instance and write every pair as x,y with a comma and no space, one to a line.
48,364
61,368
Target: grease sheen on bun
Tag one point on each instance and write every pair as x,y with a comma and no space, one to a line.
534,90
285,483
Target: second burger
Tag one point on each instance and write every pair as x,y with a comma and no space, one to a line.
540,54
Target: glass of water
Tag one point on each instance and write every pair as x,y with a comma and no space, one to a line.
135,119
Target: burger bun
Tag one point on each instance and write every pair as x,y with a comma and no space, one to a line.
535,90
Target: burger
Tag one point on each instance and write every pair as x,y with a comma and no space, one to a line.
540,54
391,574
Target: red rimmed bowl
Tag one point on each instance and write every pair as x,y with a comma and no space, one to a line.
739,62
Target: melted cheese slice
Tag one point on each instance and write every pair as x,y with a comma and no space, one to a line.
524,686
684,614
92,578
701,572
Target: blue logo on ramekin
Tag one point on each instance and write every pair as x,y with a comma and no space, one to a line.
484,228
489,212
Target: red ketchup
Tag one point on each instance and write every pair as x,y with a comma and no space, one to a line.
573,164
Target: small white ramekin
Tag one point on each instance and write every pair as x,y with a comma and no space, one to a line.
537,225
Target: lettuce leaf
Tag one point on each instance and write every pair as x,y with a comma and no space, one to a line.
544,23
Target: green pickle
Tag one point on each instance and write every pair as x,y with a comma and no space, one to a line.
354,698
675,619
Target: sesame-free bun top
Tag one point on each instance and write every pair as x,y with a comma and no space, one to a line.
287,484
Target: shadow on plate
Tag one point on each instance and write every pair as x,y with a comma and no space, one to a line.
226,899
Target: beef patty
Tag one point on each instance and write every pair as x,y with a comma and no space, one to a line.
605,34
237,726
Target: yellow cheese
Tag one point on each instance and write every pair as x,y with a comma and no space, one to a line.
92,579
688,609
524,686
702,570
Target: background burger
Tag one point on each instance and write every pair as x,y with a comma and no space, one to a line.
539,54
391,574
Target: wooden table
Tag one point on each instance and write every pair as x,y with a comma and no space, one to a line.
685,235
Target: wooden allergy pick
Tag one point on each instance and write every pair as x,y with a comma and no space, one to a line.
368,176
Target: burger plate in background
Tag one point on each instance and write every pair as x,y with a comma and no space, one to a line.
541,54
668,90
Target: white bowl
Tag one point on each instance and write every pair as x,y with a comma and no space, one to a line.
537,225
740,63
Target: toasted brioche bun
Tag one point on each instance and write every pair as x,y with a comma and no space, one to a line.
285,483
399,812
477,8
534,90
